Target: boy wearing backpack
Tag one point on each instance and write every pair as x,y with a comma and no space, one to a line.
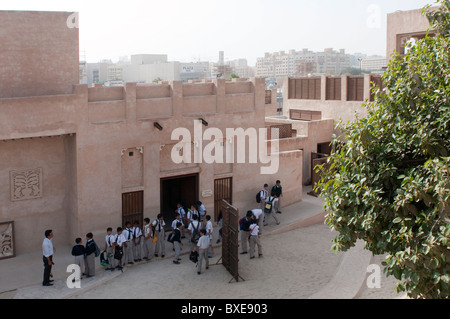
263,194
194,231
176,240
268,209
147,244
158,226
109,248
119,243
202,248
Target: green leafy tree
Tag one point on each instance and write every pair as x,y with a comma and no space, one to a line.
234,76
389,184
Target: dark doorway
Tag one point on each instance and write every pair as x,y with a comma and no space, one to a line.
133,208
324,148
178,189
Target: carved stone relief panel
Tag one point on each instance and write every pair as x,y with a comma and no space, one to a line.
26,184
7,240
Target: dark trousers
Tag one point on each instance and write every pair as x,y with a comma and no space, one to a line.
47,269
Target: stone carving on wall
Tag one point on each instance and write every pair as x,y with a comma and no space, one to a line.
7,240
26,184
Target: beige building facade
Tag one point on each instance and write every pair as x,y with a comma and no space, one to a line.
402,27
77,159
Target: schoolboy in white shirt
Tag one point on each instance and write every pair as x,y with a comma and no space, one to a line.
209,232
202,248
120,243
148,241
159,225
128,249
255,240
137,234
109,248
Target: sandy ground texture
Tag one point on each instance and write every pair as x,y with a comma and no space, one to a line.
295,264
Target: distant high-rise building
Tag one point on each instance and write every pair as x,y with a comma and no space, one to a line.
302,63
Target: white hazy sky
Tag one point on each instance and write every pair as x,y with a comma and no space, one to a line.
192,30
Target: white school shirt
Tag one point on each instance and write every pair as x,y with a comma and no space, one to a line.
201,210
159,225
119,239
191,226
147,230
109,240
209,226
263,194
128,234
191,213
254,229
47,247
182,212
203,242
174,223
257,212
137,232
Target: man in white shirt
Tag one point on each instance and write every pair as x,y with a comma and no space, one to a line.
202,248
255,240
47,251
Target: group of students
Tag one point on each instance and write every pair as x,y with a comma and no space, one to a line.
134,244
270,203
251,225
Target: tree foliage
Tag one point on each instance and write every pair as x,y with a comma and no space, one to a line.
389,184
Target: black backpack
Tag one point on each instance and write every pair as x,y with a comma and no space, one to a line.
258,197
118,251
269,204
193,257
195,234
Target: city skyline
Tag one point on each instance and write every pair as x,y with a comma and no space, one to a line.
197,30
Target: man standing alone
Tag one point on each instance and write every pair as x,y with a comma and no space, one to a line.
47,250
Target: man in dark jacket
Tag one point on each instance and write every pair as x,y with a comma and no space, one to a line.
244,228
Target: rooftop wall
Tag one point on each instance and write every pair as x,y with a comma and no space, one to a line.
39,54
402,24
336,97
63,114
